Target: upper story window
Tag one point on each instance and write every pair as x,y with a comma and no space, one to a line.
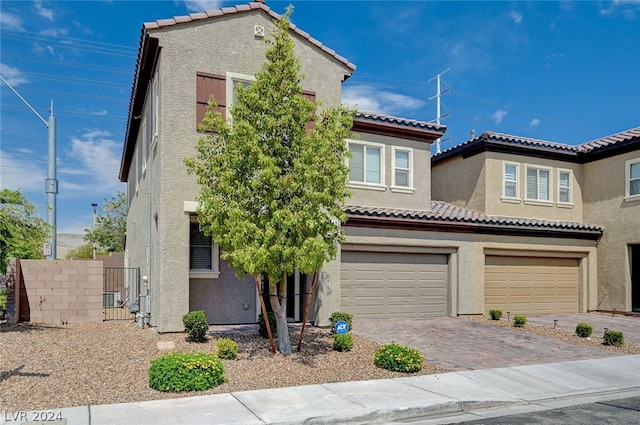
632,177
402,168
510,181
203,253
538,183
366,165
564,187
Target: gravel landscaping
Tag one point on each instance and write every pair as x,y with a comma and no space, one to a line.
47,367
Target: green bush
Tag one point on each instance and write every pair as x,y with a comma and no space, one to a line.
584,330
3,303
337,316
519,320
196,324
177,372
614,338
495,314
342,342
227,349
398,358
262,326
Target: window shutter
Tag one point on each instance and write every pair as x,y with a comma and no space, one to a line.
208,85
310,95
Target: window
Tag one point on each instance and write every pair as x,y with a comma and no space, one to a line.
537,184
233,81
365,165
510,181
203,253
632,173
564,187
402,168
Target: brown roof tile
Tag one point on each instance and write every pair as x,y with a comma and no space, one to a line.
613,139
400,121
448,213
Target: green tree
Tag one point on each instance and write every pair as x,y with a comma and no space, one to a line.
111,226
22,232
272,190
83,251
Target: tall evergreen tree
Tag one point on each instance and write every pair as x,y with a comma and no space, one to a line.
271,189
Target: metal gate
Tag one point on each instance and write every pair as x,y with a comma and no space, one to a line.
121,289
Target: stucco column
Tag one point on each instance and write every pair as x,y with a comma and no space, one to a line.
328,292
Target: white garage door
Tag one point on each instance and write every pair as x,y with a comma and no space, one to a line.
531,285
393,285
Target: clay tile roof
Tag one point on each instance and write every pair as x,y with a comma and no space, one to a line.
447,213
528,141
163,23
613,139
400,121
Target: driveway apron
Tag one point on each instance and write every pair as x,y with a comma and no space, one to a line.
458,344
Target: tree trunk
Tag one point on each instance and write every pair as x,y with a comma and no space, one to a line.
278,297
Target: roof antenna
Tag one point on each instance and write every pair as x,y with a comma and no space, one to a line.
439,93
473,134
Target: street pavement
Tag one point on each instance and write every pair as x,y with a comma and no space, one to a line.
471,392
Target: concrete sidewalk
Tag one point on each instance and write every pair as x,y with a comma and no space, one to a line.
381,401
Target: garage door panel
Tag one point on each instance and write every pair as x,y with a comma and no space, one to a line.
526,285
406,285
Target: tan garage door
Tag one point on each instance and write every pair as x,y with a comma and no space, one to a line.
388,285
531,285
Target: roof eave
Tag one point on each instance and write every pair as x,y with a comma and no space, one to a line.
428,135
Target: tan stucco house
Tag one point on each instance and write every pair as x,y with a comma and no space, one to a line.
406,254
597,182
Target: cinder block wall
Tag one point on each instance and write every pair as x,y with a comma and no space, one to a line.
61,291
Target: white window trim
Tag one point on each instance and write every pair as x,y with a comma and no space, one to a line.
144,145
511,199
544,202
214,273
627,180
364,185
230,78
394,187
570,203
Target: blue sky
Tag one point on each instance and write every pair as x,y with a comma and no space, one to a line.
560,71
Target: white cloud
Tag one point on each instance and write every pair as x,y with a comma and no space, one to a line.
516,16
534,122
17,173
54,32
628,8
97,164
9,21
43,11
202,5
372,99
12,75
102,113
499,115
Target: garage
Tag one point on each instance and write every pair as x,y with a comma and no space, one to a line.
531,285
393,285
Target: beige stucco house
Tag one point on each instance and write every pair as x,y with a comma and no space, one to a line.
597,182
411,250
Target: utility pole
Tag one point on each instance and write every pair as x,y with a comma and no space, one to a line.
439,93
94,205
51,182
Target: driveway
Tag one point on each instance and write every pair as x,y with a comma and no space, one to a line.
458,344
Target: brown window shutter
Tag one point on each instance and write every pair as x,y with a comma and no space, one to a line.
310,95
208,85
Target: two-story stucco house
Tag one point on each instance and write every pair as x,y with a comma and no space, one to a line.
596,182
405,254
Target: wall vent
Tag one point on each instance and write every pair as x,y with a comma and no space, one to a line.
258,30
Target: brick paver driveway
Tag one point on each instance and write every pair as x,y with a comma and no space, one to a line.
459,344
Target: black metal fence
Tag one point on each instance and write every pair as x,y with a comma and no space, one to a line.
121,289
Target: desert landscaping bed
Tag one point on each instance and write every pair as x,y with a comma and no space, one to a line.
47,367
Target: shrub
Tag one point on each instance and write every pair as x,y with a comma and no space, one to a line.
614,338
337,316
196,324
495,314
262,326
177,372
584,330
227,349
342,342
3,303
519,320
398,358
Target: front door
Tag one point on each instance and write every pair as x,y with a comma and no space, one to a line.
635,277
296,297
